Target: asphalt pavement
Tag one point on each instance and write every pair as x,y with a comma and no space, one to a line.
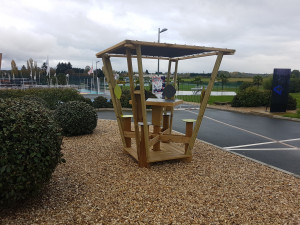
271,141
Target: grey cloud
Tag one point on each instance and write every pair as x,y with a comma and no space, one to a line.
264,33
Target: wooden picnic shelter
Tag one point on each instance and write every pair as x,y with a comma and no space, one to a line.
158,143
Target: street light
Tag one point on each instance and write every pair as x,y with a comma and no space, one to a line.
159,31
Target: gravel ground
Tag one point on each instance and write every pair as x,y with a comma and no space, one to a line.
99,184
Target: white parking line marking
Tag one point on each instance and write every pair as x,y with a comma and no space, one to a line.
250,132
296,139
241,146
263,143
263,149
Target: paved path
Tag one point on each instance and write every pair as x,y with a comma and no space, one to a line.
272,141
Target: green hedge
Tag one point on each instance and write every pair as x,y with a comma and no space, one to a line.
53,96
292,103
251,97
125,97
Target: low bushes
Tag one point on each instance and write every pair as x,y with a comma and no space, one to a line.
292,103
30,148
53,96
76,118
36,99
251,97
102,102
294,85
125,97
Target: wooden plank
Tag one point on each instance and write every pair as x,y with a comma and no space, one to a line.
144,57
174,138
177,46
175,74
156,121
109,76
127,128
169,72
169,151
129,134
188,133
197,55
204,102
201,49
145,138
114,47
132,152
154,140
134,107
163,102
175,86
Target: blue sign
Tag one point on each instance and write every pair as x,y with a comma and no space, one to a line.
280,90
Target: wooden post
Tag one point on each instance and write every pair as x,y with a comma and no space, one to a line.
116,102
175,86
204,102
143,147
134,100
188,131
169,71
156,120
166,122
145,139
175,74
127,127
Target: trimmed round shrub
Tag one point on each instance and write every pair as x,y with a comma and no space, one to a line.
30,148
101,102
292,103
251,97
76,118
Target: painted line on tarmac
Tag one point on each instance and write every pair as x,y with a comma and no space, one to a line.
241,146
296,139
262,143
247,131
263,149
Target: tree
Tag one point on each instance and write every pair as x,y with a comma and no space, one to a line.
223,77
257,80
61,79
44,66
179,80
14,68
295,74
146,72
99,73
30,66
87,69
63,68
197,81
24,72
267,83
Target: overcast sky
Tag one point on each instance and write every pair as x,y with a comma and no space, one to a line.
264,33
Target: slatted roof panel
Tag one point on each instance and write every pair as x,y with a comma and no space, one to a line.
154,49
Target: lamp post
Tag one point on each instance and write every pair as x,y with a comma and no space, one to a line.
98,91
159,31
